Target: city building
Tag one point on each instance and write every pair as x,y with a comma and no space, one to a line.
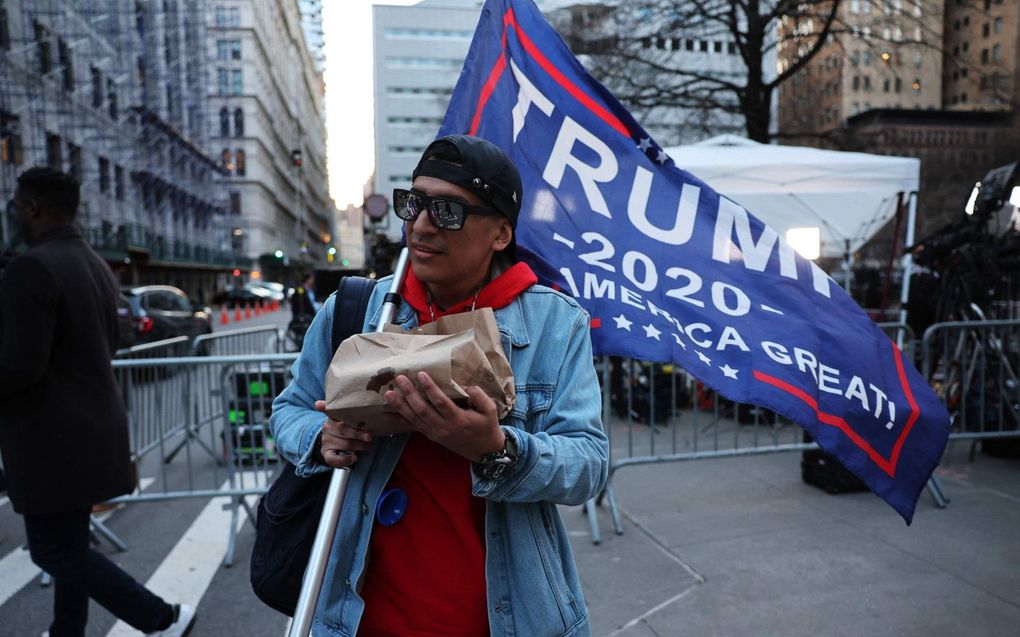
881,54
311,26
418,54
266,102
659,69
982,53
114,96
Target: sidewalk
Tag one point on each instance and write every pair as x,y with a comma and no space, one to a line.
741,547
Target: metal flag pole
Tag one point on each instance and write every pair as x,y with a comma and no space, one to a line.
311,583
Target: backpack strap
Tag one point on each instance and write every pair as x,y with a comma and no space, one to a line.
349,307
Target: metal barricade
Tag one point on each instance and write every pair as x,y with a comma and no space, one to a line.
904,337
241,342
210,415
974,366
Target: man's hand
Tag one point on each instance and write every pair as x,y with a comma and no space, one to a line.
341,442
472,432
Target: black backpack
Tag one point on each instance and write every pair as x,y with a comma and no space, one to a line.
289,512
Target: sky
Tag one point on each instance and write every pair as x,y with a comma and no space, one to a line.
350,154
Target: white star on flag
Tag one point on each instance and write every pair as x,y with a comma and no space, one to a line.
705,359
676,337
661,157
645,143
729,372
651,332
622,322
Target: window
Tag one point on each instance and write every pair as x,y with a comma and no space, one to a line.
855,6
996,53
886,85
867,83
42,43
104,174
227,16
10,138
97,87
227,160
899,85
67,65
857,82
118,182
984,56
227,50
239,159
223,81
237,83
717,46
985,30
238,122
997,25
867,58
74,160
235,203
5,31
111,91
140,18
224,122
54,156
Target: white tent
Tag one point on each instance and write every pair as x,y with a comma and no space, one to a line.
847,196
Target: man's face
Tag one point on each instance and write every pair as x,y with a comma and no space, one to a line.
454,261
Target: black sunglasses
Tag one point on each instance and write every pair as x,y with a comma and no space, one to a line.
445,214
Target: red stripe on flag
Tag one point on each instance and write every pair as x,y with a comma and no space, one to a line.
829,419
578,94
497,71
915,412
490,85
889,466
596,323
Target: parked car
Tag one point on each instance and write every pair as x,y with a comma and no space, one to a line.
126,332
254,292
163,311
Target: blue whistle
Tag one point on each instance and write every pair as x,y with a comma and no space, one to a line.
391,506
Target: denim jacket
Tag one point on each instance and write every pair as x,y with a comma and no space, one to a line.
532,584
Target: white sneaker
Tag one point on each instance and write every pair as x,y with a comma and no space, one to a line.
184,619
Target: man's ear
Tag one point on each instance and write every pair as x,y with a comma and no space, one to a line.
503,236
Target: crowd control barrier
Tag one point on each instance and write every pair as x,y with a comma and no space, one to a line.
200,426
974,367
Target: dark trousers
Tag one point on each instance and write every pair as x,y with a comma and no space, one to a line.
59,545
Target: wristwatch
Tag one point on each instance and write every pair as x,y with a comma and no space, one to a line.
499,464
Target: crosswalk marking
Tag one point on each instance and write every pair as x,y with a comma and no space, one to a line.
186,572
18,569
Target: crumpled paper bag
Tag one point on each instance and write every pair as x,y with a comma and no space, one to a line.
456,351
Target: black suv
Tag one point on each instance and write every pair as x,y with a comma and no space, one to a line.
163,311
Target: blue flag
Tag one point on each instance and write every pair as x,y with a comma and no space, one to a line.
671,270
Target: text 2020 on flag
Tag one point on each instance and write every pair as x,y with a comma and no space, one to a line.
671,270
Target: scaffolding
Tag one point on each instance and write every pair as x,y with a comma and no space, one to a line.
115,93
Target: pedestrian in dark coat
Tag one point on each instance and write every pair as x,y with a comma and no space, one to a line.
63,429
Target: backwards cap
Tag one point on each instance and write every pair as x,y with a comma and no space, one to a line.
478,166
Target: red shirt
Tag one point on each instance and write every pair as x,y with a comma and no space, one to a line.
426,574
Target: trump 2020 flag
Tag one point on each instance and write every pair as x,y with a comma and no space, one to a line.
671,270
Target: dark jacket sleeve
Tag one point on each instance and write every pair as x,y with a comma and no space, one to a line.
28,300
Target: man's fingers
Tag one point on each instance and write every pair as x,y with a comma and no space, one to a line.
339,459
420,406
320,405
440,401
479,401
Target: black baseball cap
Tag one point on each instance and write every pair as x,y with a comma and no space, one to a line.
478,166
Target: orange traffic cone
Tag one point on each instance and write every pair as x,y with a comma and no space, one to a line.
224,319
258,307
276,305
247,311
237,312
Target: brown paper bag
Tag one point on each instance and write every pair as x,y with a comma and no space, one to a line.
456,351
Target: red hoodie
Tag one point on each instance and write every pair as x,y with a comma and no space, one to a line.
426,574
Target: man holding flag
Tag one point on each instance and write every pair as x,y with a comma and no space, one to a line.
478,548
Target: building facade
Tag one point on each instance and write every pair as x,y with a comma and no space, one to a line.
418,51
265,100
882,54
982,52
114,96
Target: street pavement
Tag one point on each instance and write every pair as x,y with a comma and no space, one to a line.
727,547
